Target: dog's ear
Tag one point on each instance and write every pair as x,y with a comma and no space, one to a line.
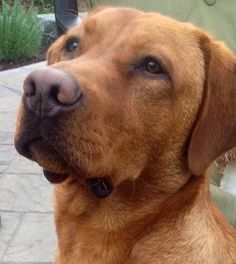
215,128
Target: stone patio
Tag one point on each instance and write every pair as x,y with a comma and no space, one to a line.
27,232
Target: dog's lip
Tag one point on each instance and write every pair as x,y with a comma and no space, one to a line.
54,177
23,145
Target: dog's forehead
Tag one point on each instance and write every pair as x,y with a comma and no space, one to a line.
104,24
118,21
112,17
136,29
135,32
113,22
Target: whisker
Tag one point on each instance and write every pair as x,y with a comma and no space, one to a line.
116,129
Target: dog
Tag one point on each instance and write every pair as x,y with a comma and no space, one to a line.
125,120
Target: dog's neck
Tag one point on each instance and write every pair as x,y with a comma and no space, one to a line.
138,197
128,214
123,217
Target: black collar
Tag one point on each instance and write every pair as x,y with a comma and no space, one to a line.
100,187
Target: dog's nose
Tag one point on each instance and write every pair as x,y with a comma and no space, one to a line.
49,91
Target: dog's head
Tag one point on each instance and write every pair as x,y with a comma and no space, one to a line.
127,93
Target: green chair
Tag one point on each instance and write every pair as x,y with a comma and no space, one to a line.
226,202
217,17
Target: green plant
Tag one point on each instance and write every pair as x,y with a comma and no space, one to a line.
90,3
43,2
20,33
44,6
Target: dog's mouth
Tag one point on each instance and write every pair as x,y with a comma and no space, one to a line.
55,169
23,143
36,148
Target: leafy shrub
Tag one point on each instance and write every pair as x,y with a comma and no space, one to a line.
20,33
43,2
44,6
90,3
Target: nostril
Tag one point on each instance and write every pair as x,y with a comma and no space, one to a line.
32,92
64,95
54,93
67,94
30,88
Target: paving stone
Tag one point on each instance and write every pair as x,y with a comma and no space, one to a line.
7,154
17,87
12,163
1,176
25,193
9,104
14,73
12,89
3,247
21,165
7,122
35,66
27,232
25,262
14,77
5,92
8,109
9,223
34,241
6,138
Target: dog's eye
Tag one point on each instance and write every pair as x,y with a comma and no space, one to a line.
72,45
152,66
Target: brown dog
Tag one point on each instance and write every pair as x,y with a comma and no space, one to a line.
128,116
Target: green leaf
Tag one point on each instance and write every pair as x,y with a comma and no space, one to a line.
20,33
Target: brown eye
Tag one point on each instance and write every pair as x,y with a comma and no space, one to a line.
72,45
152,66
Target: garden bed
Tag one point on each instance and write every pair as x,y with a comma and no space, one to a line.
12,34
7,65
50,32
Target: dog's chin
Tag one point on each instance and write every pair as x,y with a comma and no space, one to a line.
54,166
54,170
54,177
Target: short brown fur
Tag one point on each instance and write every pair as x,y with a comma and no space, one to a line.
153,136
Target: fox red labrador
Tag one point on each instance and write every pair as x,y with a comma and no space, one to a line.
126,119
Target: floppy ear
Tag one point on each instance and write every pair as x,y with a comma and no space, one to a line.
215,128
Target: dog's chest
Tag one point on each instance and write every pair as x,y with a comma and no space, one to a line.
96,254
88,246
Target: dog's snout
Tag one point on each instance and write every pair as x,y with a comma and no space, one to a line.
50,91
